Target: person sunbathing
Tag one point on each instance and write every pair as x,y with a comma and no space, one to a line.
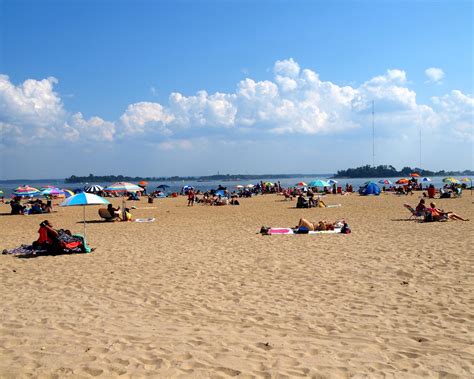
319,226
320,203
438,214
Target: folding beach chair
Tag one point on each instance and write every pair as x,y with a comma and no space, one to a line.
414,214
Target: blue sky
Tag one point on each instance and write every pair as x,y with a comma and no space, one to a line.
196,87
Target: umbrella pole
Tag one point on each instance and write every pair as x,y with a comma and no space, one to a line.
84,211
123,207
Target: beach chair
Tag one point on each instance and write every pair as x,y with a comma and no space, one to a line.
104,213
414,214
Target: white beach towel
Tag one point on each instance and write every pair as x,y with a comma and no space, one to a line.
151,219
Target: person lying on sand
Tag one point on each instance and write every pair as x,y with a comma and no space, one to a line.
320,225
436,214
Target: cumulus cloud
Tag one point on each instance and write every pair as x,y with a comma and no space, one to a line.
295,101
434,75
144,117
456,109
33,113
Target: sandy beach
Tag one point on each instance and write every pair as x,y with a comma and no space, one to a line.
200,293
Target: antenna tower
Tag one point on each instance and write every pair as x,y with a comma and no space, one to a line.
373,135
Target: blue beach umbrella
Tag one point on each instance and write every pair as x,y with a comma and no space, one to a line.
332,181
426,180
83,199
318,183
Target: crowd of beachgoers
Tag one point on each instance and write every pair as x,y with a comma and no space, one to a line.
306,195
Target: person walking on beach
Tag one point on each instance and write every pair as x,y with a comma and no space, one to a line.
191,197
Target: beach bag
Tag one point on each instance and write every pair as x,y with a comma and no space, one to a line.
265,230
345,229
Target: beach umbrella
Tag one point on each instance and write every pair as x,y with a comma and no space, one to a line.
332,181
26,191
402,181
450,180
53,191
239,186
426,180
68,193
465,180
249,186
83,199
93,188
163,186
385,181
143,183
123,187
415,175
301,184
268,183
318,183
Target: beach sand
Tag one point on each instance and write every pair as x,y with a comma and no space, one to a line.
199,293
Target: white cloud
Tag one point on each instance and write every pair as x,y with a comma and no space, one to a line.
296,101
145,117
456,110
434,74
287,68
33,113
95,128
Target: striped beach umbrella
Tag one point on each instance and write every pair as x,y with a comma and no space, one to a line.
26,191
83,199
123,187
385,181
301,184
93,188
52,191
450,180
68,193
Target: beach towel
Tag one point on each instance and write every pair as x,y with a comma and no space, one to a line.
333,205
151,219
287,231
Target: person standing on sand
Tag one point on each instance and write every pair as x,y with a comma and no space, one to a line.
191,196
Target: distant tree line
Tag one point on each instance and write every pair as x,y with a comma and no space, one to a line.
387,171
221,177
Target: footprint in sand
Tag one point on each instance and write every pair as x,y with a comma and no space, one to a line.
265,346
